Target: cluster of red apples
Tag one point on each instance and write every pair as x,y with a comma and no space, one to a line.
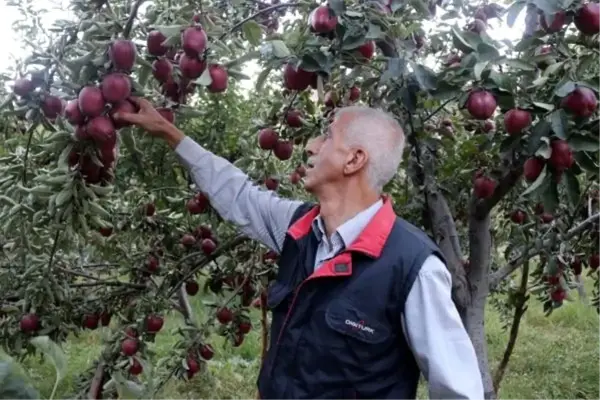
131,341
481,105
557,293
202,237
322,22
176,69
91,112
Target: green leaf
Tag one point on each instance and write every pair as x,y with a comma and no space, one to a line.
541,81
537,183
280,50
486,51
241,60
374,32
550,195
544,150
64,196
545,106
53,352
204,79
584,63
586,161
528,43
354,14
564,89
237,75
479,68
262,77
572,186
510,143
419,6
425,77
395,69
127,389
552,68
560,123
252,32
580,142
540,130
520,64
171,30
337,6
513,12
460,42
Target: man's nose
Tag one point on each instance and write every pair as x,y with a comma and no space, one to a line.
312,146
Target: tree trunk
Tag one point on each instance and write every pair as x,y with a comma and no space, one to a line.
478,274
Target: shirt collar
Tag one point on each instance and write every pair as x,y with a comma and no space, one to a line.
350,229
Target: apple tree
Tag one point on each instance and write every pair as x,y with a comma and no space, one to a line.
102,227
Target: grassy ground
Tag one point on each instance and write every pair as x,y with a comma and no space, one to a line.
555,357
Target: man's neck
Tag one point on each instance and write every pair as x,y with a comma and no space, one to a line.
336,210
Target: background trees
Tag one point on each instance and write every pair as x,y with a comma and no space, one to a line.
102,227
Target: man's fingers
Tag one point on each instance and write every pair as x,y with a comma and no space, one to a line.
129,117
142,103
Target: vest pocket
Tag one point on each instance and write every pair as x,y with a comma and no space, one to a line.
346,319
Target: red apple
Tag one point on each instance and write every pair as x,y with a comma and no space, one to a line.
516,120
561,158
484,187
581,102
587,19
481,104
532,168
518,216
367,50
556,22
322,20
224,315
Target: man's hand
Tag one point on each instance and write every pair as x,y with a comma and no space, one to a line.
149,119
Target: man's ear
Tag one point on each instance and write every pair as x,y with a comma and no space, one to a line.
357,159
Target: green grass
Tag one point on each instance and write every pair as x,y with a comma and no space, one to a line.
555,357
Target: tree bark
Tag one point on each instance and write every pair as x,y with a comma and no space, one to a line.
480,252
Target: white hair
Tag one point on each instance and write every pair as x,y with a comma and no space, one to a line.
382,137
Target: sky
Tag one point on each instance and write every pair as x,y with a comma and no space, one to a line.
57,9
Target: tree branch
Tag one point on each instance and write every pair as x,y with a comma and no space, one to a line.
499,275
263,11
184,304
110,283
95,391
238,240
582,226
520,308
132,16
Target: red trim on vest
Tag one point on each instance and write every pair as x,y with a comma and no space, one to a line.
302,225
370,241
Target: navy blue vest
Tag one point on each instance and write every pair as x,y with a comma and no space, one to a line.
336,332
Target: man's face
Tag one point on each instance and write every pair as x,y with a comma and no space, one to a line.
327,156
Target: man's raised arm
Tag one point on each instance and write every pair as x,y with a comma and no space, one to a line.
260,214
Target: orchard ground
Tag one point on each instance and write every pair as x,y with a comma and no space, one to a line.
555,357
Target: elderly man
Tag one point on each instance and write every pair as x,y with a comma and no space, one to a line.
361,304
